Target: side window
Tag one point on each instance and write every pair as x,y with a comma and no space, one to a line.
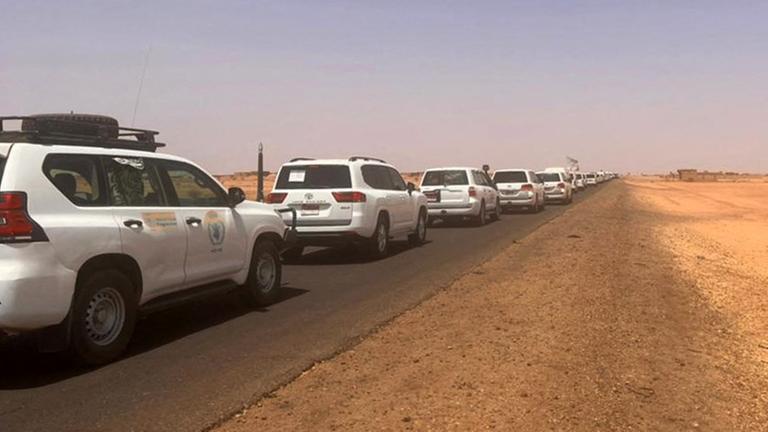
479,178
133,182
77,177
376,176
192,187
397,180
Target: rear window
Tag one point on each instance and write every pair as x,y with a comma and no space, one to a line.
77,177
549,177
590,176
510,177
314,177
445,178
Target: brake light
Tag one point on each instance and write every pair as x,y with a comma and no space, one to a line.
472,191
15,224
561,185
527,187
349,197
276,197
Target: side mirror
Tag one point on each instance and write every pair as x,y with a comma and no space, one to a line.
236,196
410,187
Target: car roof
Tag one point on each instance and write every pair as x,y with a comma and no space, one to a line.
359,161
71,149
512,170
453,169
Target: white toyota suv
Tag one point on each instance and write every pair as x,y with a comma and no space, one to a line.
556,186
520,188
96,228
459,192
360,200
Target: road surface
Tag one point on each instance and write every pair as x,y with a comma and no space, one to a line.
190,367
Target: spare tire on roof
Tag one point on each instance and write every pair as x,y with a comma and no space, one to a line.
75,124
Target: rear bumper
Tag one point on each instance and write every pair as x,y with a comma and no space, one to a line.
555,196
35,289
437,210
518,201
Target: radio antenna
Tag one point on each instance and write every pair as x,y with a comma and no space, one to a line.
141,85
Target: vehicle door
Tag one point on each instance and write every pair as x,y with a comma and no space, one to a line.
482,187
493,191
216,235
151,232
405,208
538,185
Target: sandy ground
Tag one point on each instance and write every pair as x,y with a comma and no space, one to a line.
641,309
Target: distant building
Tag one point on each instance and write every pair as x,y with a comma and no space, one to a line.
687,174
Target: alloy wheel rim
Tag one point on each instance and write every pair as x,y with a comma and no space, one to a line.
105,316
266,272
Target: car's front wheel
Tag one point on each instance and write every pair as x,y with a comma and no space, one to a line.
103,317
420,235
496,210
262,287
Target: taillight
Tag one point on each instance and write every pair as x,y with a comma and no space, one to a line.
15,224
561,185
472,191
527,188
349,197
276,197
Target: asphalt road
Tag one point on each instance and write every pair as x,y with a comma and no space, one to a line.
194,365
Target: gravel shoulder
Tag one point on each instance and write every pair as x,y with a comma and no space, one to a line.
603,319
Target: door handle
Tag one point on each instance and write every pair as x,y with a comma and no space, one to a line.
194,221
133,223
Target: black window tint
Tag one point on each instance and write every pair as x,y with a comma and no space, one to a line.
192,187
447,178
133,182
2,167
77,177
314,177
397,180
376,176
510,177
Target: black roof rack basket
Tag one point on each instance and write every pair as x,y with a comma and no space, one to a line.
49,130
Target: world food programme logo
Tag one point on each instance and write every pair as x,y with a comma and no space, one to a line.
216,228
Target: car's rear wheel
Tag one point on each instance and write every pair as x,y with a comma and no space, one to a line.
378,244
420,236
481,217
262,287
103,317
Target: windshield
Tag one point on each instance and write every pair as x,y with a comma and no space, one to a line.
2,167
549,177
447,178
510,177
314,177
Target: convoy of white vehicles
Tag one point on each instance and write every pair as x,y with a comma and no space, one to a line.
96,227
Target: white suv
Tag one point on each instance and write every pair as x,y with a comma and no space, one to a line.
459,192
520,188
359,200
95,228
556,186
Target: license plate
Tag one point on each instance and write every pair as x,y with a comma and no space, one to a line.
310,209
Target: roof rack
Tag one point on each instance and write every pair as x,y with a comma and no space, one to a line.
48,130
366,158
301,159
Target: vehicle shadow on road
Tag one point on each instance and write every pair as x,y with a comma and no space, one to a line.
442,224
350,255
22,367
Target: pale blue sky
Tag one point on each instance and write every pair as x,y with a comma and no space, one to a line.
637,85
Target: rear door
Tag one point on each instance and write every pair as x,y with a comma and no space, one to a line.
309,189
216,237
150,230
446,187
510,182
404,208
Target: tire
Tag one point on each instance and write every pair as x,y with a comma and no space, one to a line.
420,236
481,217
535,208
293,254
378,244
103,318
262,288
86,124
496,211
